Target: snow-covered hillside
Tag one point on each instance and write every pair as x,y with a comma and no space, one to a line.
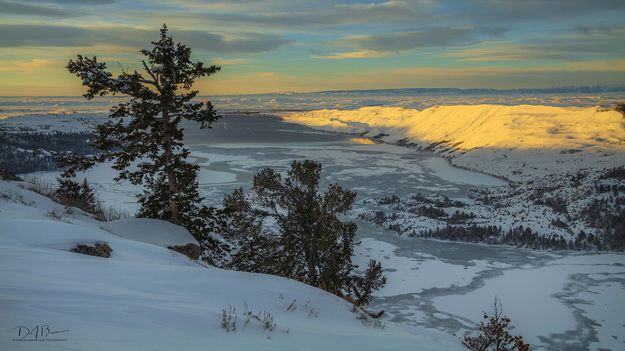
516,142
578,211
146,297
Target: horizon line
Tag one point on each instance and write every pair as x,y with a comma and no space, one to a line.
563,89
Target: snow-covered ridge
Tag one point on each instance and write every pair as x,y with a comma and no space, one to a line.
146,297
515,142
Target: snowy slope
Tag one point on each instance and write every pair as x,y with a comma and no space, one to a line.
516,142
145,297
144,229
565,208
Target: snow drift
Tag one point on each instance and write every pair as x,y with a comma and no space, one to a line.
515,142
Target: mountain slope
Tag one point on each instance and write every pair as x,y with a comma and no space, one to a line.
516,142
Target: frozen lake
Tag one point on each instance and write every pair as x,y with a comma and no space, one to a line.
557,301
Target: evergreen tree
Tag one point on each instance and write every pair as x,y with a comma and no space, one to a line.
68,191
145,131
87,196
494,334
312,244
74,194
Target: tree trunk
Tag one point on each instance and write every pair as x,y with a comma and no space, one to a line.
169,172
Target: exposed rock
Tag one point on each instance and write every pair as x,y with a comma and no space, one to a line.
99,249
192,251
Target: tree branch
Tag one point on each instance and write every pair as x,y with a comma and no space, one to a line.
155,82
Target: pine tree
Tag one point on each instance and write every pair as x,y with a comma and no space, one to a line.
145,132
74,194
87,196
494,334
312,244
68,191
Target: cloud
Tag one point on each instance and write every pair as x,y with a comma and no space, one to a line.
24,66
245,42
80,2
584,42
30,10
379,45
68,36
399,41
577,73
14,35
228,62
322,15
506,52
352,55
507,10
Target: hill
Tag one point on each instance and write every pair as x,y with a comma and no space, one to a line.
514,142
146,297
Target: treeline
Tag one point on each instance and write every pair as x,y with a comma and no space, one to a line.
522,237
608,216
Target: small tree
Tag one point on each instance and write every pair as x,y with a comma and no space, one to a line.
312,244
72,193
494,334
144,132
6,174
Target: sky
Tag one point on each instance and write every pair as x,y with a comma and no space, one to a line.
268,46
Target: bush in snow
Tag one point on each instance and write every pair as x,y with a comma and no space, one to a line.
264,318
286,227
40,186
6,174
74,194
229,319
494,335
98,249
144,132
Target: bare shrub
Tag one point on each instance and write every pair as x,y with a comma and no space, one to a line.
264,318
106,213
40,186
103,213
229,319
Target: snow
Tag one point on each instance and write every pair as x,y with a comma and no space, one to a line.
407,275
147,297
555,301
516,142
452,174
163,297
151,231
542,304
206,176
123,195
